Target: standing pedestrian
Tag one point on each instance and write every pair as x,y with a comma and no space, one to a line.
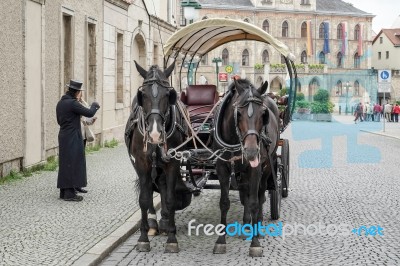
358,113
377,112
72,163
388,112
396,111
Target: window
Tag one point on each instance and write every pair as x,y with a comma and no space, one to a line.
303,30
265,26
357,32
305,2
283,61
245,57
182,17
339,31
387,54
285,29
339,88
356,88
225,57
380,39
204,60
304,57
339,58
120,68
321,32
379,55
356,61
265,57
91,62
68,48
322,58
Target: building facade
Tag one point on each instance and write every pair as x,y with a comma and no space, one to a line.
44,44
331,40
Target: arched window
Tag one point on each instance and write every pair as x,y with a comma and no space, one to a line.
246,20
283,60
304,57
225,57
356,32
285,29
356,88
322,58
265,57
245,57
303,30
339,58
356,61
321,34
339,31
265,26
339,88
204,60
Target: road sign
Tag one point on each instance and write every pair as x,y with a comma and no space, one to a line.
229,69
384,76
384,87
223,77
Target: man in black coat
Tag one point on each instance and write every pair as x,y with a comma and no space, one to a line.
72,162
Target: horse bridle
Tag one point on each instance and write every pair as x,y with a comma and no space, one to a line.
250,111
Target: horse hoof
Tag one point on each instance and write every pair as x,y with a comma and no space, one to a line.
143,246
171,248
219,249
152,232
255,252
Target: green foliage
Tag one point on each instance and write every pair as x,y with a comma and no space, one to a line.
316,66
300,96
259,66
321,96
278,65
12,176
302,104
283,92
92,148
51,165
299,66
111,144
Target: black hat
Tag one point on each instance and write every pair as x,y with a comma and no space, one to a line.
75,85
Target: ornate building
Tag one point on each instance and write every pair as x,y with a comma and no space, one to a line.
330,38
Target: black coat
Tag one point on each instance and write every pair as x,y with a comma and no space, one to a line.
72,163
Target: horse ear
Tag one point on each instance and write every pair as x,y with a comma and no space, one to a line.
139,97
266,117
141,70
238,87
263,88
172,97
169,70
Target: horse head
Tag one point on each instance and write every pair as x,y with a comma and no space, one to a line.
155,96
250,115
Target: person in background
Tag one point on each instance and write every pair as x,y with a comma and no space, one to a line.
358,113
388,112
396,111
377,112
72,162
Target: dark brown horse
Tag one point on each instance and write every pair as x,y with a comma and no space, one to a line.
155,125
247,125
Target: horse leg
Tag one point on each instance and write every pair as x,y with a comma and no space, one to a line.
224,205
172,172
254,185
145,200
244,199
152,215
163,224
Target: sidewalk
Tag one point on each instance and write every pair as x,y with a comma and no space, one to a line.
392,130
37,228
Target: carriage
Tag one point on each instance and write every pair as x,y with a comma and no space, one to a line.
198,150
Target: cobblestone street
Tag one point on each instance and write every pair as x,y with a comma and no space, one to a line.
356,191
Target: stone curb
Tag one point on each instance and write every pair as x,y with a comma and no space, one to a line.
101,250
380,134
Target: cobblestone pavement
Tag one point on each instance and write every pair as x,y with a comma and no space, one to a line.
357,186
37,228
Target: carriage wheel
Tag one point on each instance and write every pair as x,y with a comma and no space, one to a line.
276,195
286,170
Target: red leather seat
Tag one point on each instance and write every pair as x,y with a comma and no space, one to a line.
199,99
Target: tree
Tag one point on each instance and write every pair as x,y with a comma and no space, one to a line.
321,104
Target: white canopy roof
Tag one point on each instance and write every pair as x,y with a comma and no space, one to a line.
203,36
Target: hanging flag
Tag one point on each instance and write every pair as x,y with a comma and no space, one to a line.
309,39
326,49
360,41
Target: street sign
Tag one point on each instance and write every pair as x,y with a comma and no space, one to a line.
229,69
384,76
223,77
384,87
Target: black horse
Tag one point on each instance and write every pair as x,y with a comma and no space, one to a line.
247,123
154,126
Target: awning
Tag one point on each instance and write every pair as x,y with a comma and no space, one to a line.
203,36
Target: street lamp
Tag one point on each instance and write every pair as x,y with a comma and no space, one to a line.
347,95
218,62
190,9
